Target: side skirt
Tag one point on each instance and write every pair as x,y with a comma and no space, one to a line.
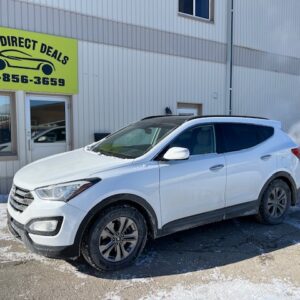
244,209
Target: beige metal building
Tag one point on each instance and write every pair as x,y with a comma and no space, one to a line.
100,64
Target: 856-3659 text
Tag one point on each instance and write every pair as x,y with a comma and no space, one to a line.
38,80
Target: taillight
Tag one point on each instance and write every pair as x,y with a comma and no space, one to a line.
296,152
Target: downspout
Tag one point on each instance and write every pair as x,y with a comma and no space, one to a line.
229,57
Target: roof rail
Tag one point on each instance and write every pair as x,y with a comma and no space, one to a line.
205,116
226,116
158,116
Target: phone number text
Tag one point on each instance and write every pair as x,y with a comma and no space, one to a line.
16,78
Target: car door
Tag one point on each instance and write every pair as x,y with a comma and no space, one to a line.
248,159
196,185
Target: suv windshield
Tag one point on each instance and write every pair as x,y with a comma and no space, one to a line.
138,138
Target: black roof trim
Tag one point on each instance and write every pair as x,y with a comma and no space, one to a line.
159,116
227,116
188,118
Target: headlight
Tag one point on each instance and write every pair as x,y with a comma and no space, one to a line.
64,191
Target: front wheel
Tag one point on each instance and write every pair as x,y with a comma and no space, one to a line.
116,238
275,203
2,64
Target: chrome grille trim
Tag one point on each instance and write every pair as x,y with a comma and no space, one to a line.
20,198
21,193
25,201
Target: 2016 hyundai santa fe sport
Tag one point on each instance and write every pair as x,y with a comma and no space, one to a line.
152,178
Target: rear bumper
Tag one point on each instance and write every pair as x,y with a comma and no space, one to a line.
20,232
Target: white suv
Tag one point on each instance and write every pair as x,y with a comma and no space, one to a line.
152,178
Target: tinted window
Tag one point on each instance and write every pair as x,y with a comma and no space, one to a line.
199,140
264,132
5,124
242,136
186,6
47,119
201,8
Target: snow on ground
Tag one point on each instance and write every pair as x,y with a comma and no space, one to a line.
4,235
8,253
214,285
230,289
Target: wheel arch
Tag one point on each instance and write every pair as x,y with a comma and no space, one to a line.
120,199
288,179
43,63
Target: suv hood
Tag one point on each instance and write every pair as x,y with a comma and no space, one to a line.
68,166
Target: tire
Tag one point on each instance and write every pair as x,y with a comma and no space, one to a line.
47,69
123,246
275,203
2,64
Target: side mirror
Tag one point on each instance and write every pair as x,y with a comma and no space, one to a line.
177,153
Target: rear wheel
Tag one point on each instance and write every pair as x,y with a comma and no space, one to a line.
116,238
47,69
275,203
2,64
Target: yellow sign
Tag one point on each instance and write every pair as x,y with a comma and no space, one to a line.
37,62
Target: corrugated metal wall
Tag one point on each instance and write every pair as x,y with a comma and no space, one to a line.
137,56
118,86
268,25
272,26
162,15
267,94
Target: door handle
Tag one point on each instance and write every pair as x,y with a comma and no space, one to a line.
216,167
265,157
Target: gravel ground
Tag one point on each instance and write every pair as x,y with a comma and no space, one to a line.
236,259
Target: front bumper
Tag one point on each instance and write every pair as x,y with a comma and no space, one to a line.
40,209
61,243
20,232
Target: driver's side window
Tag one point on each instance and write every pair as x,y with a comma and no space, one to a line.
199,140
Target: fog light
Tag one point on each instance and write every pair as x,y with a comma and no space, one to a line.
43,226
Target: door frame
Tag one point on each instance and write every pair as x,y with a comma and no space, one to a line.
45,97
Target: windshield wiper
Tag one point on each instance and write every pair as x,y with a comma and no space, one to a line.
113,154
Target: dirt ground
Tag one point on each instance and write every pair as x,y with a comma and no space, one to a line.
236,259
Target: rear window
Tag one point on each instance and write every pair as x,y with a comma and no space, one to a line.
237,136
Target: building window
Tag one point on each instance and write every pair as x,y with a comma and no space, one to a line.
197,8
7,125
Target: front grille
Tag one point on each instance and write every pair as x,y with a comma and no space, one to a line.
20,199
